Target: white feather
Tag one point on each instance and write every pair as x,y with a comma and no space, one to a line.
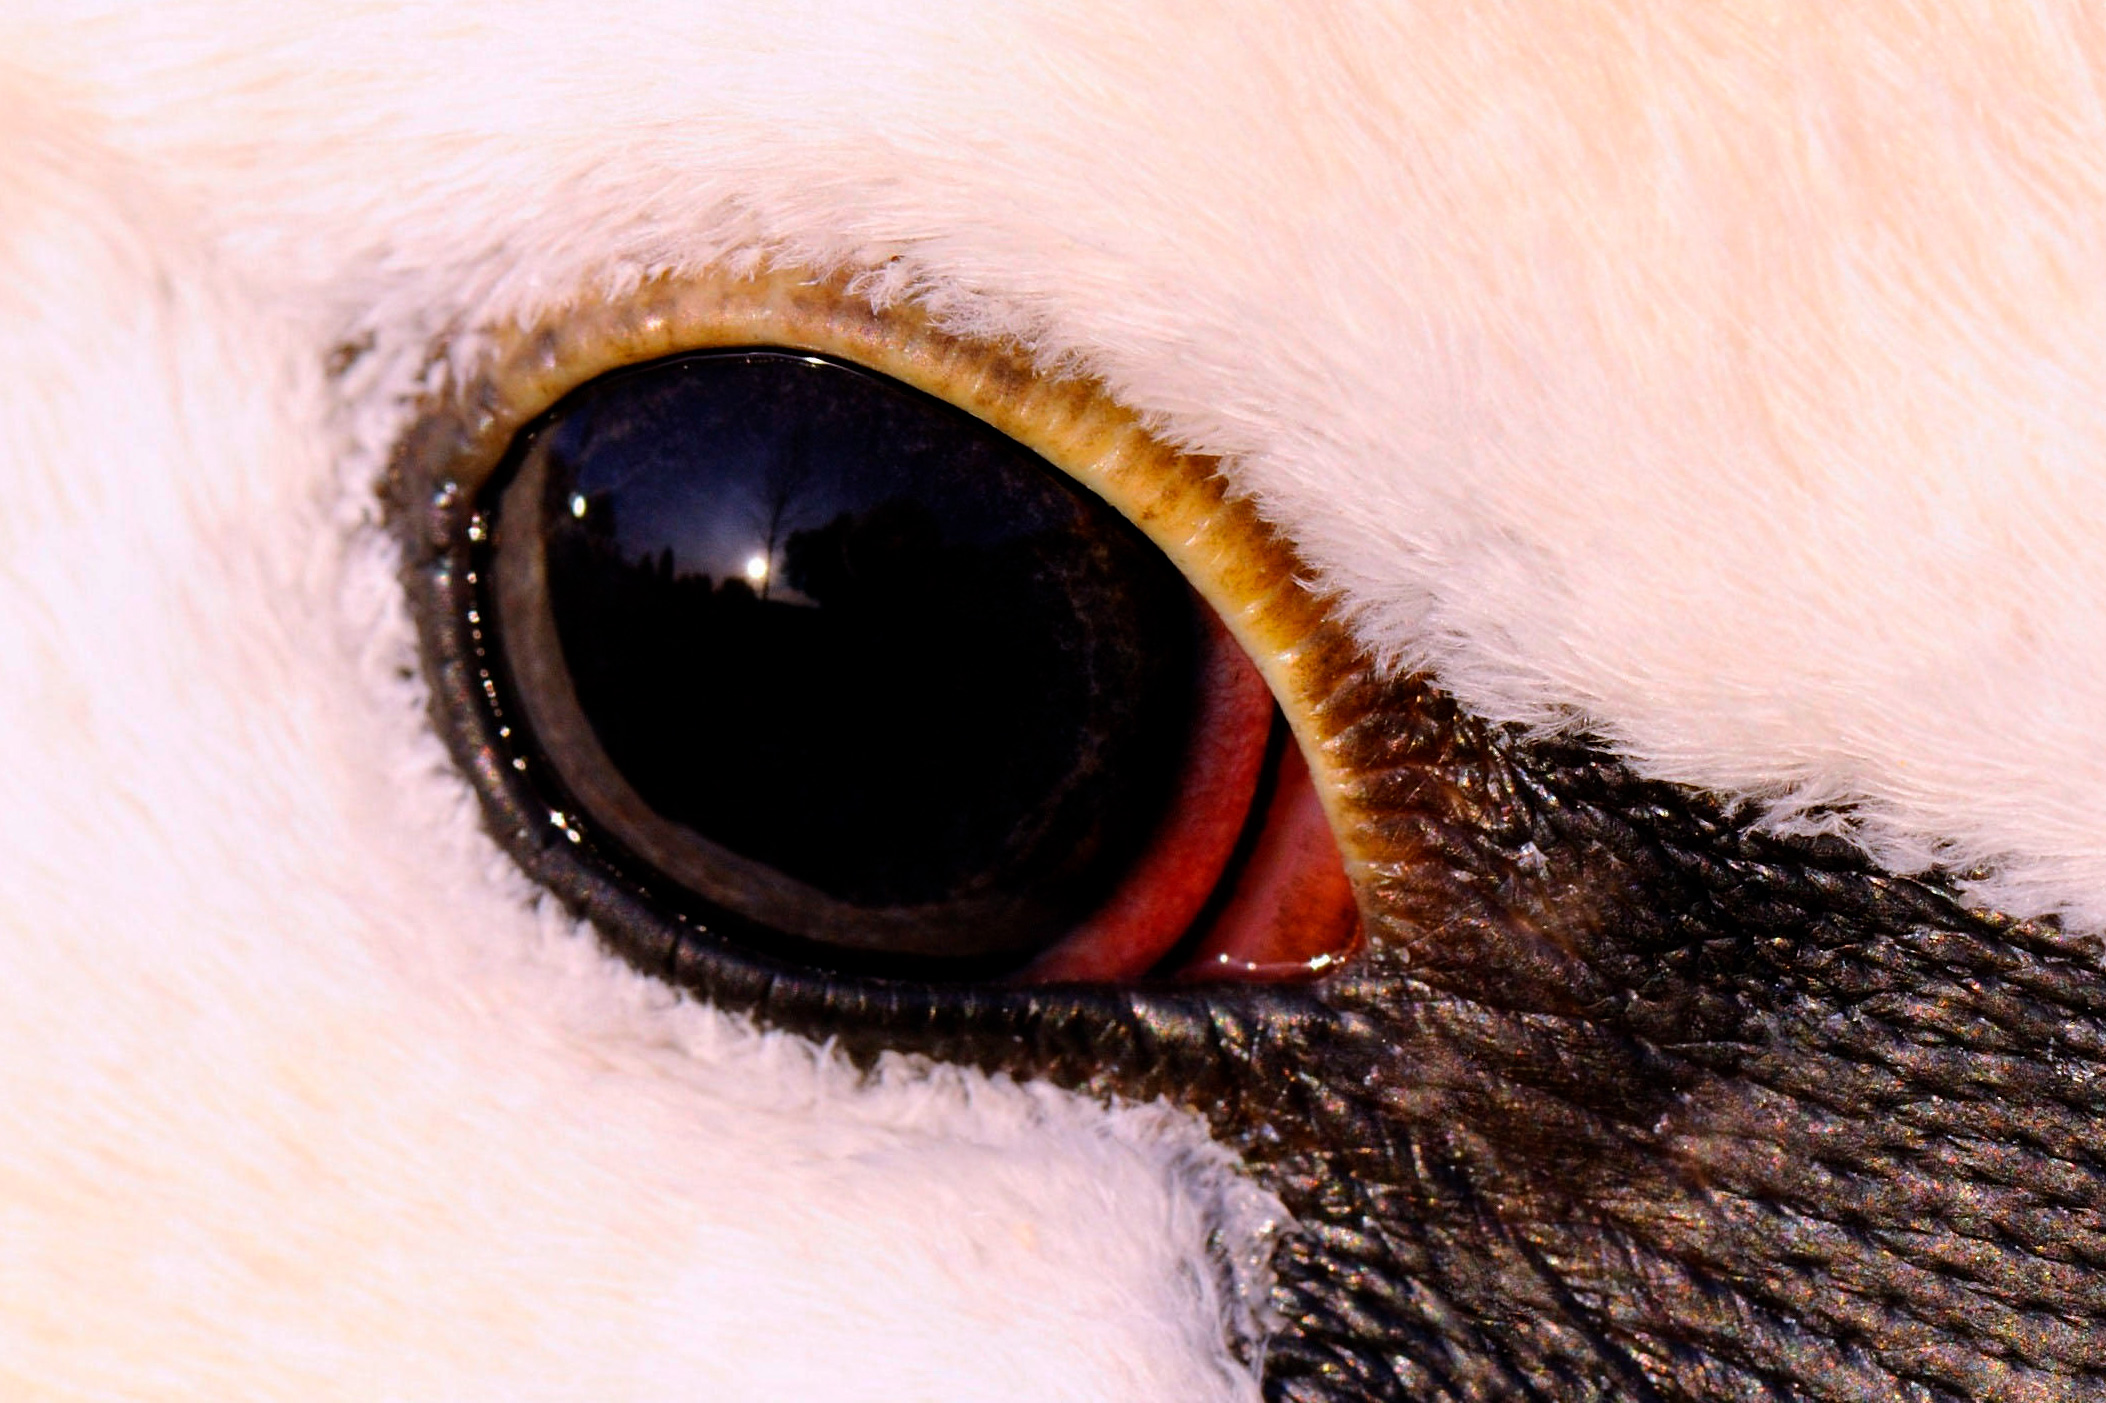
1726,380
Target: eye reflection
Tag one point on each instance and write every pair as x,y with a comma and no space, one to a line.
839,658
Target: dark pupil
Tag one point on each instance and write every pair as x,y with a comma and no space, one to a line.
879,676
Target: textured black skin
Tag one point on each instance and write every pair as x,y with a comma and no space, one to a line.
1622,1100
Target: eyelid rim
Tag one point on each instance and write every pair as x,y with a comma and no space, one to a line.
1244,569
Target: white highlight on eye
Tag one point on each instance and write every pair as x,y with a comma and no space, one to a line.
577,505
757,568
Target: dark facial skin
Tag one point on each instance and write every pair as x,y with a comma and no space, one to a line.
1621,1100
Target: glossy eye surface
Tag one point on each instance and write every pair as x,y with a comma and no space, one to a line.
848,662
840,665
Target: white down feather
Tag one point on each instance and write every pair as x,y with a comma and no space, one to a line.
1724,379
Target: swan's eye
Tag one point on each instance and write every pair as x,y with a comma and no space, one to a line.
815,660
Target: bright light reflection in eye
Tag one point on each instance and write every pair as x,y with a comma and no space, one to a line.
577,505
757,568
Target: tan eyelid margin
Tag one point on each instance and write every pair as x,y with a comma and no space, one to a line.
1239,564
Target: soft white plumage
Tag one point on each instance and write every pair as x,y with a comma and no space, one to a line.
1725,379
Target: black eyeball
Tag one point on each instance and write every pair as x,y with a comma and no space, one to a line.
834,659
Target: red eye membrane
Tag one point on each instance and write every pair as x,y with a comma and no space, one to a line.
849,676
1241,877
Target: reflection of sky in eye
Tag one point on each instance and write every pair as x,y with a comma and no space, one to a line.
696,454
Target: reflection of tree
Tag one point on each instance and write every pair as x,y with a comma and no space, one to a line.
883,549
787,479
